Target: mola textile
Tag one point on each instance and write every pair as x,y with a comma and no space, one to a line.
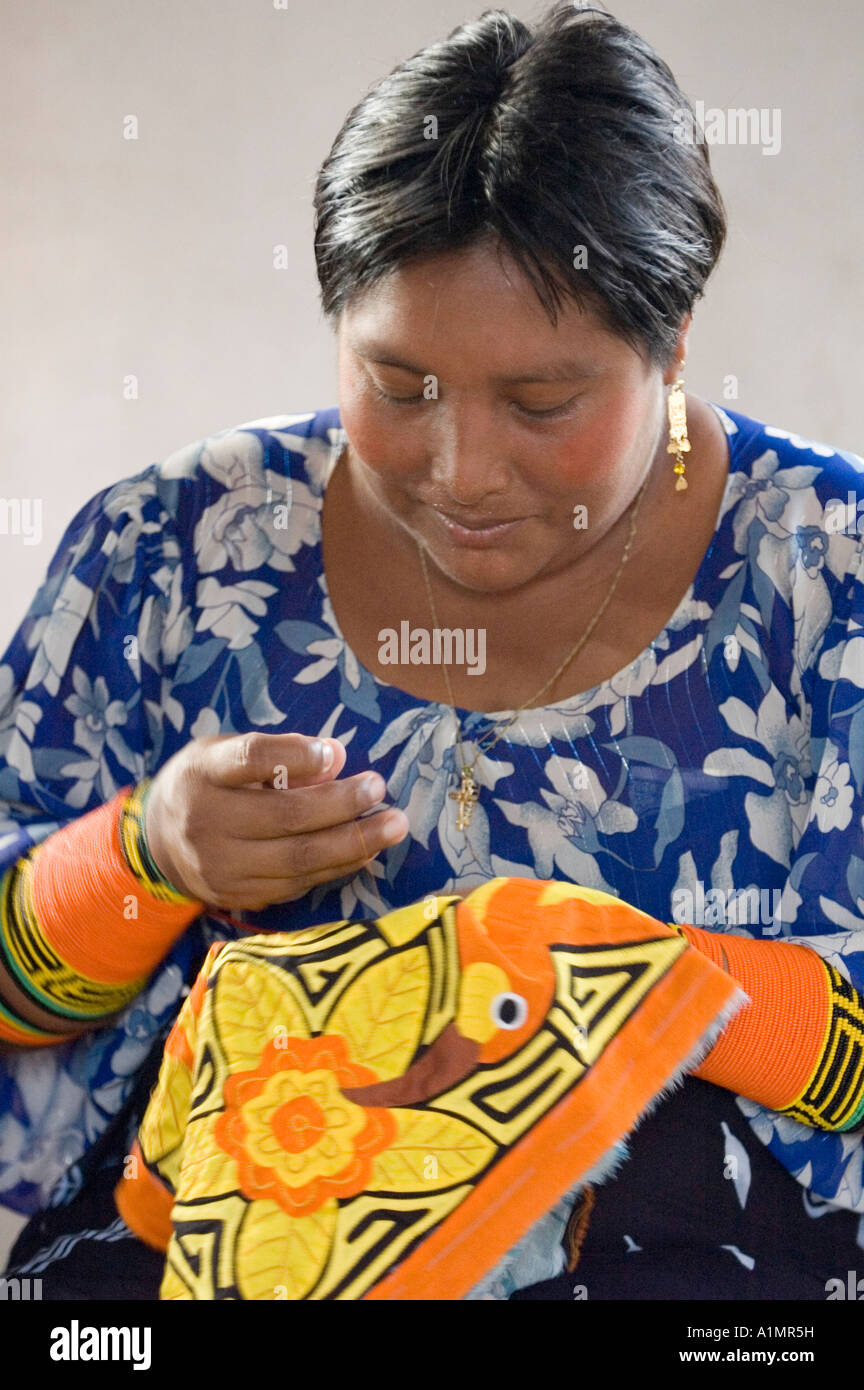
381,1109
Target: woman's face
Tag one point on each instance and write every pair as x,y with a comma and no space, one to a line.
478,427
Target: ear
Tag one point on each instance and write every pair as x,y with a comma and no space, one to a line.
676,364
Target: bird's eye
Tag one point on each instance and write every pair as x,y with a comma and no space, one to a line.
509,1010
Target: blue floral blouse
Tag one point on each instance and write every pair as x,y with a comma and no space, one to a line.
191,599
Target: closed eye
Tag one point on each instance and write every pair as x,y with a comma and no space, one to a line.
396,400
552,414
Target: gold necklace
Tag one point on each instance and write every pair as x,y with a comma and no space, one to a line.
469,791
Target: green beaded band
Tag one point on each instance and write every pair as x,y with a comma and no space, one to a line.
136,850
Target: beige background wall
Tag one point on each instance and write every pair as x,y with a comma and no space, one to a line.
154,256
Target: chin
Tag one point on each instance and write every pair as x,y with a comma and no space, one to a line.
485,572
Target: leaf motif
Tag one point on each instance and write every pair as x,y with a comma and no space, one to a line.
670,818
431,1152
759,669
726,613
197,659
841,917
767,817
737,762
254,676
251,1007
816,614
205,1169
86,769
164,1122
856,748
740,717
721,871
676,662
855,877
798,869
642,749
381,1014
763,590
618,718
466,852
315,672
281,1257
395,856
299,635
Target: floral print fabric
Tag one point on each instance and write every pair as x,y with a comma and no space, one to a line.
191,599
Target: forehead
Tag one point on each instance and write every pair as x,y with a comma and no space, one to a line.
474,304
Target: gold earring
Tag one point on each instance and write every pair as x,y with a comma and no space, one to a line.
678,444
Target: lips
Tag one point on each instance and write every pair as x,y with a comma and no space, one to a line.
477,523
478,533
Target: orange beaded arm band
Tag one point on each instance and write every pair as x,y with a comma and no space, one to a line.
798,1048
85,918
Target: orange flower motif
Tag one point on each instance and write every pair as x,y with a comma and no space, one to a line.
295,1137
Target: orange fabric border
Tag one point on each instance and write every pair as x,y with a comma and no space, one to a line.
145,1204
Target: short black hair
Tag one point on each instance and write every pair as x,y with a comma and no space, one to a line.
543,141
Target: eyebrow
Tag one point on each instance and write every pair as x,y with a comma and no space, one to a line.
559,371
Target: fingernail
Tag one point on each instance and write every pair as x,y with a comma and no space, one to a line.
392,826
372,789
327,756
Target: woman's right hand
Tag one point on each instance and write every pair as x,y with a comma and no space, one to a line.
221,832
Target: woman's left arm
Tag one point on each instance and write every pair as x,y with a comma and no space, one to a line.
799,1047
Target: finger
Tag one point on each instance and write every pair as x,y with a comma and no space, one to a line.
320,855
264,814
257,894
239,760
281,780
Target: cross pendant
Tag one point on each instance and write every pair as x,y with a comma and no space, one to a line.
467,797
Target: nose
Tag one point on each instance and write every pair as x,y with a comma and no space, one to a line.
467,452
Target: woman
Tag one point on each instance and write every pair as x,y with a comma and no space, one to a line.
660,605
